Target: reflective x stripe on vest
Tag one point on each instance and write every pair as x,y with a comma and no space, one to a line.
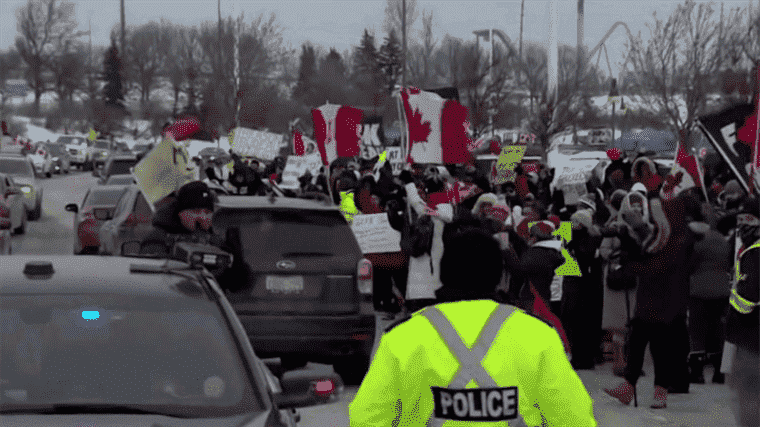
470,360
740,304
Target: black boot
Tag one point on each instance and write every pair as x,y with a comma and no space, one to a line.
718,377
696,368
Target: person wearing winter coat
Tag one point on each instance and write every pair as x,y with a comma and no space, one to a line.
424,271
583,296
710,287
389,269
539,262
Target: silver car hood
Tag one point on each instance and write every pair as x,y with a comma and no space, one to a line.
123,420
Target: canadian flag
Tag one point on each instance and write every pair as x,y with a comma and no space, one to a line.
686,173
337,129
298,147
183,129
437,128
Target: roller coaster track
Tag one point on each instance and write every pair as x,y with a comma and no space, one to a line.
601,45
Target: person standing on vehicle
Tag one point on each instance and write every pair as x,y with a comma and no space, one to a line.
743,322
471,359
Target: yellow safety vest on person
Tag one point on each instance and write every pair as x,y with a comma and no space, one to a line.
740,304
456,363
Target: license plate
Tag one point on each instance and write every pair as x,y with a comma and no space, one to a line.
285,285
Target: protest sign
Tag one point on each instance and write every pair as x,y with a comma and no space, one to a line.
375,234
372,137
256,143
163,170
509,158
297,166
572,179
393,156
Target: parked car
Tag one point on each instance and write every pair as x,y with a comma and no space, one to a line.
12,204
42,161
215,152
76,146
130,341
121,147
61,158
116,164
307,292
97,207
20,168
96,153
131,221
122,179
141,149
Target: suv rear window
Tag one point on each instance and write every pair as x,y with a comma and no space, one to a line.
121,167
104,197
317,233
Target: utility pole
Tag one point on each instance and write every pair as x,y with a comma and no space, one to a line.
519,70
237,65
403,42
578,68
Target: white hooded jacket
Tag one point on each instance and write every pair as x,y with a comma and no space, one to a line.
422,283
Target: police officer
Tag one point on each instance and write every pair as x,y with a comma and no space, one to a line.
743,321
471,359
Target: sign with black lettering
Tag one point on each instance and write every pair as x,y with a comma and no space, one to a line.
372,137
475,404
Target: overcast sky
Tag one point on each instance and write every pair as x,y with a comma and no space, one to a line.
340,23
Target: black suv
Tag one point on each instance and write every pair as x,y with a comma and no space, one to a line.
301,286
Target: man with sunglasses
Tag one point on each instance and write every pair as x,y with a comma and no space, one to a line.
743,321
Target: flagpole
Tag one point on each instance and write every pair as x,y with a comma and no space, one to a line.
723,154
756,151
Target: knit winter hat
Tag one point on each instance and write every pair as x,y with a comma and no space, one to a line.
639,187
582,218
194,195
543,230
586,202
485,198
499,212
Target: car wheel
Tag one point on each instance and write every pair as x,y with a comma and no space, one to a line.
48,175
21,228
86,165
66,171
37,212
353,368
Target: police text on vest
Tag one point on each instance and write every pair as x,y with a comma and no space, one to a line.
475,404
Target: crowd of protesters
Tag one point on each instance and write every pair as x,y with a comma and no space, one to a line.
677,255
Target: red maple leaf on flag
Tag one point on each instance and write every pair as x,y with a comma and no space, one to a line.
418,130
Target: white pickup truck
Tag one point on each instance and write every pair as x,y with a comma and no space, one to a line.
76,146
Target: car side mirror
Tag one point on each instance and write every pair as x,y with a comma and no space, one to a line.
304,387
72,207
12,192
101,214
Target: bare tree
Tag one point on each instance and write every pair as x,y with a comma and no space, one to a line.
146,59
40,24
534,65
677,61
421,58
9,63
394,11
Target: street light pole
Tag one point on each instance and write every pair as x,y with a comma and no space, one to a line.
613,98
403,42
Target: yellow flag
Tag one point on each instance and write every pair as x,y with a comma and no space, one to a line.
93,135
510,156
231,137
163,170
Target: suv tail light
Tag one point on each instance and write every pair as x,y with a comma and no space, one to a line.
4,211
364,277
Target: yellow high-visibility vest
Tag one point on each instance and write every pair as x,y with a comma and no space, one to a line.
739,303
471,362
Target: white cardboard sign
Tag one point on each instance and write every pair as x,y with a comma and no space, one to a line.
375,234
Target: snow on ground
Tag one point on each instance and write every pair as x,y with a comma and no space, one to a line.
38,133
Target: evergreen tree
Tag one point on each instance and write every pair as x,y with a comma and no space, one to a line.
112,92
368,76
306,75
390,60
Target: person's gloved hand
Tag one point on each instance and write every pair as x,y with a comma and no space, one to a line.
406,177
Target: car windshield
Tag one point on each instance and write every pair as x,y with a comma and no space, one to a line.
141,147
55,150
76,140
285,231
120,167
103,145
16,167
103,197
120,180
175,356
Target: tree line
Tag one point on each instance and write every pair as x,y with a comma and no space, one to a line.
687,55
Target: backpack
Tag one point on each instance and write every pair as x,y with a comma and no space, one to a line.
417,237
